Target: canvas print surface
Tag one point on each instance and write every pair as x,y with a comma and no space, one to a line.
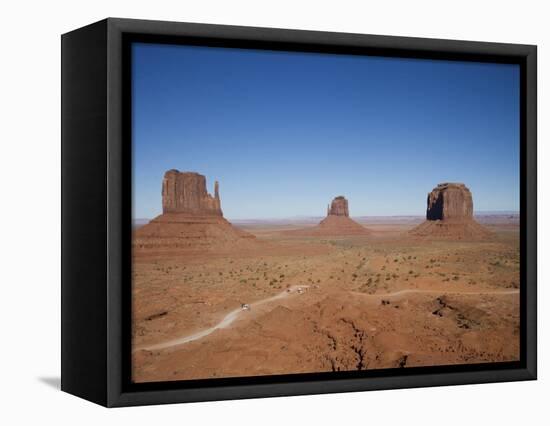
302,212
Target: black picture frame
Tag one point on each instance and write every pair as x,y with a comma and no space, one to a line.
96,225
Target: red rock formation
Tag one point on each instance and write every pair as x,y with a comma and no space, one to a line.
450,201
185,192
450,214
337,222
192,219
339,207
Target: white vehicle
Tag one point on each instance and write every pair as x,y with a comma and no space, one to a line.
300,290
245,307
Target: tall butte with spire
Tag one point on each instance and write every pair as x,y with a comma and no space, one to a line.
337,222
185,193
450,215
191,218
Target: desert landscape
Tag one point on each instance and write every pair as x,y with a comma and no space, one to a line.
214,299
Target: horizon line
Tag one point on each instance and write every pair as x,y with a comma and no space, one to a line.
478,212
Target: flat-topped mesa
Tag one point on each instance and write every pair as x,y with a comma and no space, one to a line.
450,201
338,207
450,215
185,192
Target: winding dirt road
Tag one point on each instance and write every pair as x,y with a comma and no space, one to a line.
233,315
224,323
416,290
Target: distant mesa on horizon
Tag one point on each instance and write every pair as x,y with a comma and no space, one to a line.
192,218
338,207
450,214
336,223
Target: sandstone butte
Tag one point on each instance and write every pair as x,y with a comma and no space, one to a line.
450,215
191,218
337,223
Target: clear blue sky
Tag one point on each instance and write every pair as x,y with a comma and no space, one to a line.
286,132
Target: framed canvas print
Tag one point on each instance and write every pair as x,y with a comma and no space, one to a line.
252,212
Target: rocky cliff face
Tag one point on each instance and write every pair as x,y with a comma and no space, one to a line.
192,220
450,201
185,192
338,207
450,215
